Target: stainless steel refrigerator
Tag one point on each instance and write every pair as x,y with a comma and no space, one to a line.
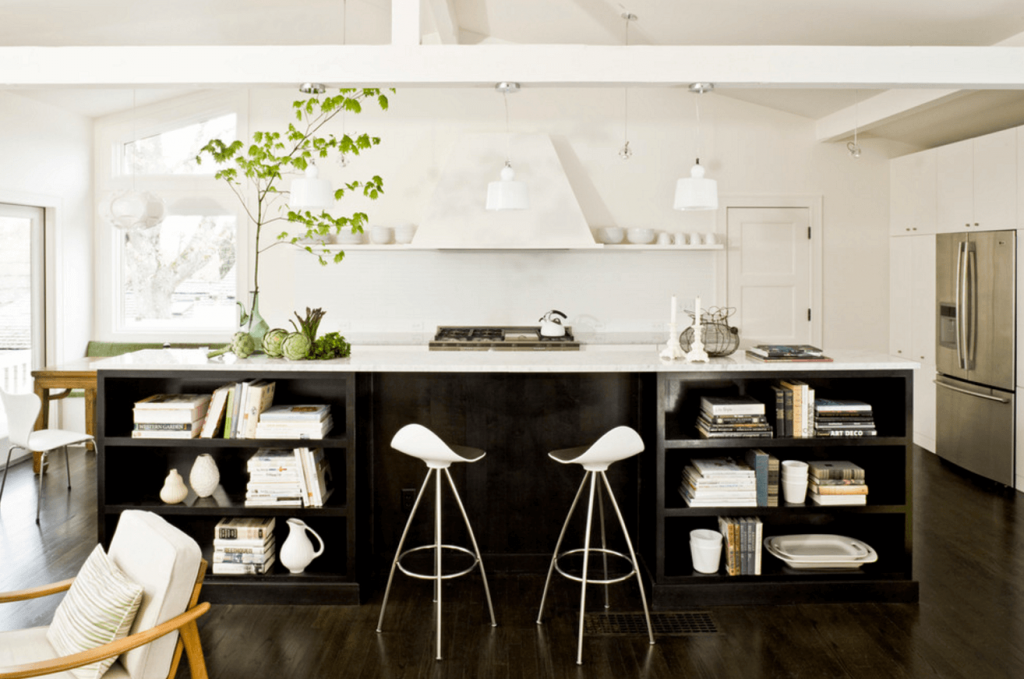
975,352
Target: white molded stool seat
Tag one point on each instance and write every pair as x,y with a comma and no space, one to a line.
618,444
417,441
22,411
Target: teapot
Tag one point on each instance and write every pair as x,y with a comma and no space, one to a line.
551,324
297,550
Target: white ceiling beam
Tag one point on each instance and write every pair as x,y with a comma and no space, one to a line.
446,20
880,109
542,65
405,22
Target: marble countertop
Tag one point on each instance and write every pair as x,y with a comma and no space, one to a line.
590,359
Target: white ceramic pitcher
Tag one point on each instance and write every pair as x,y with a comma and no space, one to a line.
297,551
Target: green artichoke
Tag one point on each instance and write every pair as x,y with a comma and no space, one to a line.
242,345
296,346
272,342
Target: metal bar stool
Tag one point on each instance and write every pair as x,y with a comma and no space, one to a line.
618,444
418,441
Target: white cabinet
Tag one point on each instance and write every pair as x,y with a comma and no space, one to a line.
912,298
976,182
913,193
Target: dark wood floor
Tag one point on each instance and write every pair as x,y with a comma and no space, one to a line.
969,559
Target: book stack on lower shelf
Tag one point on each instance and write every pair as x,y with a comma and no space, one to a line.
274,479
843,418
732,417
719,482
836,483
741,544
170,416
243,546
295,422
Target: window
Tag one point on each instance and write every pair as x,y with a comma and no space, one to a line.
176,281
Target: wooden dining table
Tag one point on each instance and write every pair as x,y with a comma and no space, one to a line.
76,374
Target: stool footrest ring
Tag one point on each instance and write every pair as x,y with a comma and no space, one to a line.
590,581
448,576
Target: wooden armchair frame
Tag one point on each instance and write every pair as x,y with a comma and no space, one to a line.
188,638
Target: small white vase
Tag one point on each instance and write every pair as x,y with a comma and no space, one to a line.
204,476
174,490
297,550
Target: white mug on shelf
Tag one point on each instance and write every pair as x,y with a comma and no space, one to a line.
710,239
695,239
664,238
680,238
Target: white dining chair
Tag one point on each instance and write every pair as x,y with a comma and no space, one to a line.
22,411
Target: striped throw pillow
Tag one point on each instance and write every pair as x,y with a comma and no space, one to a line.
99,608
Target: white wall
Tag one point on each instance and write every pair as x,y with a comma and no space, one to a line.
47,161
747,148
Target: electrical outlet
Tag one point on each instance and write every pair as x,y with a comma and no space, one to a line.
408,498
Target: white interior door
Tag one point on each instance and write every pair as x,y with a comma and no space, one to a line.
769,274
21,301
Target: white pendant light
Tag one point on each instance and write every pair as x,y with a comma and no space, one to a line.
507,193
697,192
131,208
310,192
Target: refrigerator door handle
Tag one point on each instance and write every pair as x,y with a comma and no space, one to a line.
970,315
959,299
971,393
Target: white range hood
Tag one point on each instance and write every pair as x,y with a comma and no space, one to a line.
456,218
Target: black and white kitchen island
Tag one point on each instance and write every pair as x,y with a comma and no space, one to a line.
517,406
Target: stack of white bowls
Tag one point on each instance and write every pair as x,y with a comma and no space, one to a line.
794,481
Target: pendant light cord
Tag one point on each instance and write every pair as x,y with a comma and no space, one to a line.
696,103
625,90
508,136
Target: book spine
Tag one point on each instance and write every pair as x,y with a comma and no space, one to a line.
827,433
164,426
243,532
229,412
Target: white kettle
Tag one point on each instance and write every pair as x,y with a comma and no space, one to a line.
551,324
297,551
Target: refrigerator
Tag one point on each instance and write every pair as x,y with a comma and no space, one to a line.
975,352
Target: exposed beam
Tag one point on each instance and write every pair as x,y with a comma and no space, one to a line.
881,109
405,22
446,21
545,65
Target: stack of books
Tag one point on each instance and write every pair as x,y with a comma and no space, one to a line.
732,417
786,352
719,482
741,544
836,483
243,546
295,422
794,409
843,418
235,409
316,481
275,479
170,416
766,474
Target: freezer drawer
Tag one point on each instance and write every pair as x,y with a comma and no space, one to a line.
975,428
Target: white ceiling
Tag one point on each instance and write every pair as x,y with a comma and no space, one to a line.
597,22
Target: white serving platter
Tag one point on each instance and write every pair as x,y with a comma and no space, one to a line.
820,551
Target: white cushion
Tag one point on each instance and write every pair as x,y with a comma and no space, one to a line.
99,608
165,562
19,647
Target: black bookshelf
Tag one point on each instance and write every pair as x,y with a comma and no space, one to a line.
132,471
885,523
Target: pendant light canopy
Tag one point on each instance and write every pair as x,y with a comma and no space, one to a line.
310,192
697,192
507,193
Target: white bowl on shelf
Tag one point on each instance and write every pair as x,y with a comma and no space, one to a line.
611,234
346,237
404,233
380,235
639,236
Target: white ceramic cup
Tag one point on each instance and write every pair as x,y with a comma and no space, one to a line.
705,550
695,239
664,238
710,239
794,467
793,491
680,239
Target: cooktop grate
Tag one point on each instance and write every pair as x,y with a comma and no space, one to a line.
664,624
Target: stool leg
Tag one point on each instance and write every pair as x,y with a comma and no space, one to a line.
67,466
586,559
632,555
401,541
39,497
437,555
472,537
558,545
604,543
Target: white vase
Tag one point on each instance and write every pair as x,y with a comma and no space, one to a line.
204,476
297,550
174,490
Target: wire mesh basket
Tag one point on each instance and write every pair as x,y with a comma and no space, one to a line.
720,338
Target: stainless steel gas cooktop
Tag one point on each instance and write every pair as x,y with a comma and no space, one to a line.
509,338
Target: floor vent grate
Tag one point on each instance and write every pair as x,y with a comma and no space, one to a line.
664,624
